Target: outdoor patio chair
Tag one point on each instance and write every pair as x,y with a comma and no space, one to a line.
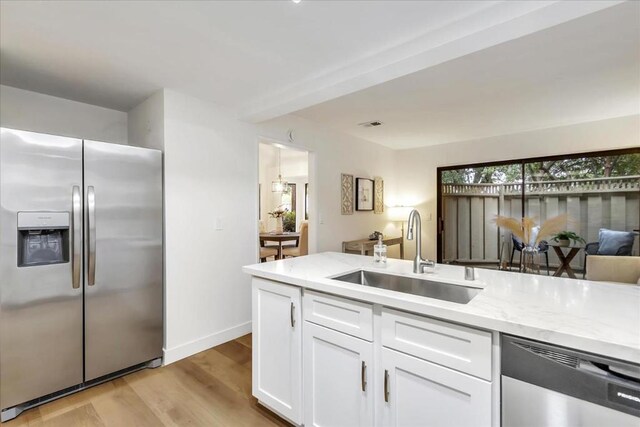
543,248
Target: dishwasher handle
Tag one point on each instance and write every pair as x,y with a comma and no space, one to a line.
627,373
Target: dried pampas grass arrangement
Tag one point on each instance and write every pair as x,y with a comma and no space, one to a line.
523,229
513,225
551,227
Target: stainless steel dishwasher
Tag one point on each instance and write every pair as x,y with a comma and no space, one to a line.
545,385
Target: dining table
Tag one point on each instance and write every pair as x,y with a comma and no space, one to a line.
565,258
286,236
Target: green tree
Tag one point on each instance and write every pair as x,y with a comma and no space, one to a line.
551,170
483,175
584,168
289,221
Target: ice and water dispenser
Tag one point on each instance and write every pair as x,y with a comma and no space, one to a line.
43,238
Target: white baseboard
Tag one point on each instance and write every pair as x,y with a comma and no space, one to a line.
196,346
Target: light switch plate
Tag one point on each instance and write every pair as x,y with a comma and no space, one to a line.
218,223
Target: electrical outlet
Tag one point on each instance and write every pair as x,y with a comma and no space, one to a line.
218,223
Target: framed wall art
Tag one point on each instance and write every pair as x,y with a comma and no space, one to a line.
378,197
364,194
346,200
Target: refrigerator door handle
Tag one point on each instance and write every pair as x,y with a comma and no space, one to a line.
91,238
76,241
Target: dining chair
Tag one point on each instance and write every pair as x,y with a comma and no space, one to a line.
303,243
614,268
267,253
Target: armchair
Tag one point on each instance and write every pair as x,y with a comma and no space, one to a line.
616,243
612,268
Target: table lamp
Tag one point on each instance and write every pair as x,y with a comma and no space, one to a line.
400,214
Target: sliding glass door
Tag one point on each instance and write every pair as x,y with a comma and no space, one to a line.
595,190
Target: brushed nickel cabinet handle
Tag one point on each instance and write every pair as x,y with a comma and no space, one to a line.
363,379
76,241
293,320
386,386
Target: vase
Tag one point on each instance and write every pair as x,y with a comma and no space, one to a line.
530,260
279,225
563,243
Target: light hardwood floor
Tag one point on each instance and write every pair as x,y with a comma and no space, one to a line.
212,388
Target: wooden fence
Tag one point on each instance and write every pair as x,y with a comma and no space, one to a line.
469,209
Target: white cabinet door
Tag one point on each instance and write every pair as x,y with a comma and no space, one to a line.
418,393
338,383
277,347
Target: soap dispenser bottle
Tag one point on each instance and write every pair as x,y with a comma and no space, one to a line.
380,253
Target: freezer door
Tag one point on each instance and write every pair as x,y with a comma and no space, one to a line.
41,300
123,283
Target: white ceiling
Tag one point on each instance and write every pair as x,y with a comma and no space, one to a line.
261,59
586,69
115,54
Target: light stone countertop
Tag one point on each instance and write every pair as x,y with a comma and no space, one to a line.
597,317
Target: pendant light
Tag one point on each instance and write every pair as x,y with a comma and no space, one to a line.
279,186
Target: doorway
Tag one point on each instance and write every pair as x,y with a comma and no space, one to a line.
284,202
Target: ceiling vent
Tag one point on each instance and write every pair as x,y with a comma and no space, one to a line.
370,124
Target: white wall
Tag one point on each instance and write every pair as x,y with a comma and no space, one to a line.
211,175
25,110
416,168
146,123
333,153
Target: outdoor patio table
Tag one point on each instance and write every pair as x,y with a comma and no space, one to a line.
565,259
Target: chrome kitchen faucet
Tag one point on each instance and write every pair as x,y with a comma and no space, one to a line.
419,264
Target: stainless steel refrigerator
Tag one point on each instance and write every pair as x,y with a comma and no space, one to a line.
81,282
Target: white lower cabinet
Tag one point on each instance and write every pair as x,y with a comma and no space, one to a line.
277,347
413,373
420,393
338,386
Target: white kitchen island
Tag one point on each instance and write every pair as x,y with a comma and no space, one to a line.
328,352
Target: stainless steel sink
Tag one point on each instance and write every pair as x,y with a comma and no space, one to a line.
409,285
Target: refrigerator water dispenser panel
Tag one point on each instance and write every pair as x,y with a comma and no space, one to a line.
43,238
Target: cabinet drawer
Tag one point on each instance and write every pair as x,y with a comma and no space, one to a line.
455,346
344,315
